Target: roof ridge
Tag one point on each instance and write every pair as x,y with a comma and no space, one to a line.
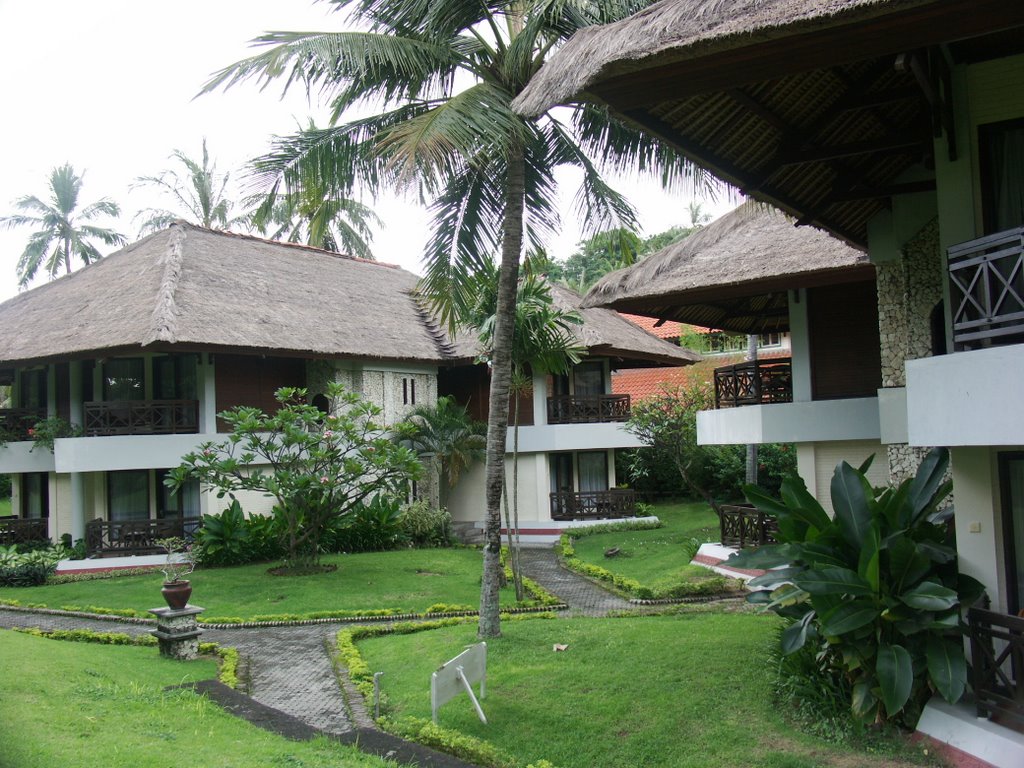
163,324
441,340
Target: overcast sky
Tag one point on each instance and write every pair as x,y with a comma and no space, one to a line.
109,86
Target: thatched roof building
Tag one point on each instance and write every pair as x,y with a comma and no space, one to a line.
187,287
814,106
733,274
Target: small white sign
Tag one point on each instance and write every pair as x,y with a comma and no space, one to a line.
457,676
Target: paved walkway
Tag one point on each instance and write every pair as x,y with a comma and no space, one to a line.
290,668
583,596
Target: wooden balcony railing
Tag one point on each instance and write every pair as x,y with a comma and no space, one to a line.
142,417
16,422
135,537
585,505
986,290
745,526
17,530
757,382
997,665
587,409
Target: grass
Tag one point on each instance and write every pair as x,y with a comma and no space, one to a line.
5,507
406,580
655,557
80,705
661,692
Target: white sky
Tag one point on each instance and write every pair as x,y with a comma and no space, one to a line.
108,86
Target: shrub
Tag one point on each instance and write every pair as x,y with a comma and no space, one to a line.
426,526
25,574
878,582
224,539
371,527
5,486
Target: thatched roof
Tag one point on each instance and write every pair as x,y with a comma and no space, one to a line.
801,104
194,287
608,334
674,30
603,333
733,274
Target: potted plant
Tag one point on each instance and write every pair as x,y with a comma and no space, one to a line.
181,562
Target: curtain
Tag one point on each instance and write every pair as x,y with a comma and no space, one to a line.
593,471
128,495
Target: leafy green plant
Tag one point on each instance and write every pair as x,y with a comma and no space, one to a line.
425,525
878,583
44,432
371,527
322,466
224,539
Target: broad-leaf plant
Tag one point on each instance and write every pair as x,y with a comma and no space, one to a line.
876,587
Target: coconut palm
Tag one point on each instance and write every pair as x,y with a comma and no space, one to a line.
543,342
309,216
199,192
438,79
62,229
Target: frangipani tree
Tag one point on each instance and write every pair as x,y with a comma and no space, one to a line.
421,95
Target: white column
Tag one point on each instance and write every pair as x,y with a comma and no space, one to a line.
206,384
77,506
540,399
800,343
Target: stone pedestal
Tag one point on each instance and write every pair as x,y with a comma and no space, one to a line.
177,631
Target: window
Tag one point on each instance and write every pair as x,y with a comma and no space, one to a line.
35,495
593,471
1001,155
124,379
128,495
183,503
32,392
409,391
174,377
588,379
561,472
1011,480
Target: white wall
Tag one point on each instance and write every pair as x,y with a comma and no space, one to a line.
820,420
816,463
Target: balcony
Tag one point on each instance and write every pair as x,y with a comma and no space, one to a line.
16,422
587,409
15,530
135,537
745,526
590,505
986,290
758,382
141,417
997,666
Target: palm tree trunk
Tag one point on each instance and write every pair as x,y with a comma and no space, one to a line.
67,256
513,547
501,375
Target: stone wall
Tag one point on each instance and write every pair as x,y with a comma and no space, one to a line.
908,290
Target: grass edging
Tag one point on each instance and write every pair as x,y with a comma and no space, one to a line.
415,729
129,616
628,587
228,667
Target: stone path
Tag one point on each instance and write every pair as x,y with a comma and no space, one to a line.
290,668
583,596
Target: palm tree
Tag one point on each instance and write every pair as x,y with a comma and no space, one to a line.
198,190
440,77
446,434
543,342
309,216
63,231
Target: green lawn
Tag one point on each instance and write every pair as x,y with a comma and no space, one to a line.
662,692
81,705
407,580
655,557
5,507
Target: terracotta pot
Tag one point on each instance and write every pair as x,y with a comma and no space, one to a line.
177,593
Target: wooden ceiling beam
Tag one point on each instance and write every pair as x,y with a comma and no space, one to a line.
897,142
873,193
